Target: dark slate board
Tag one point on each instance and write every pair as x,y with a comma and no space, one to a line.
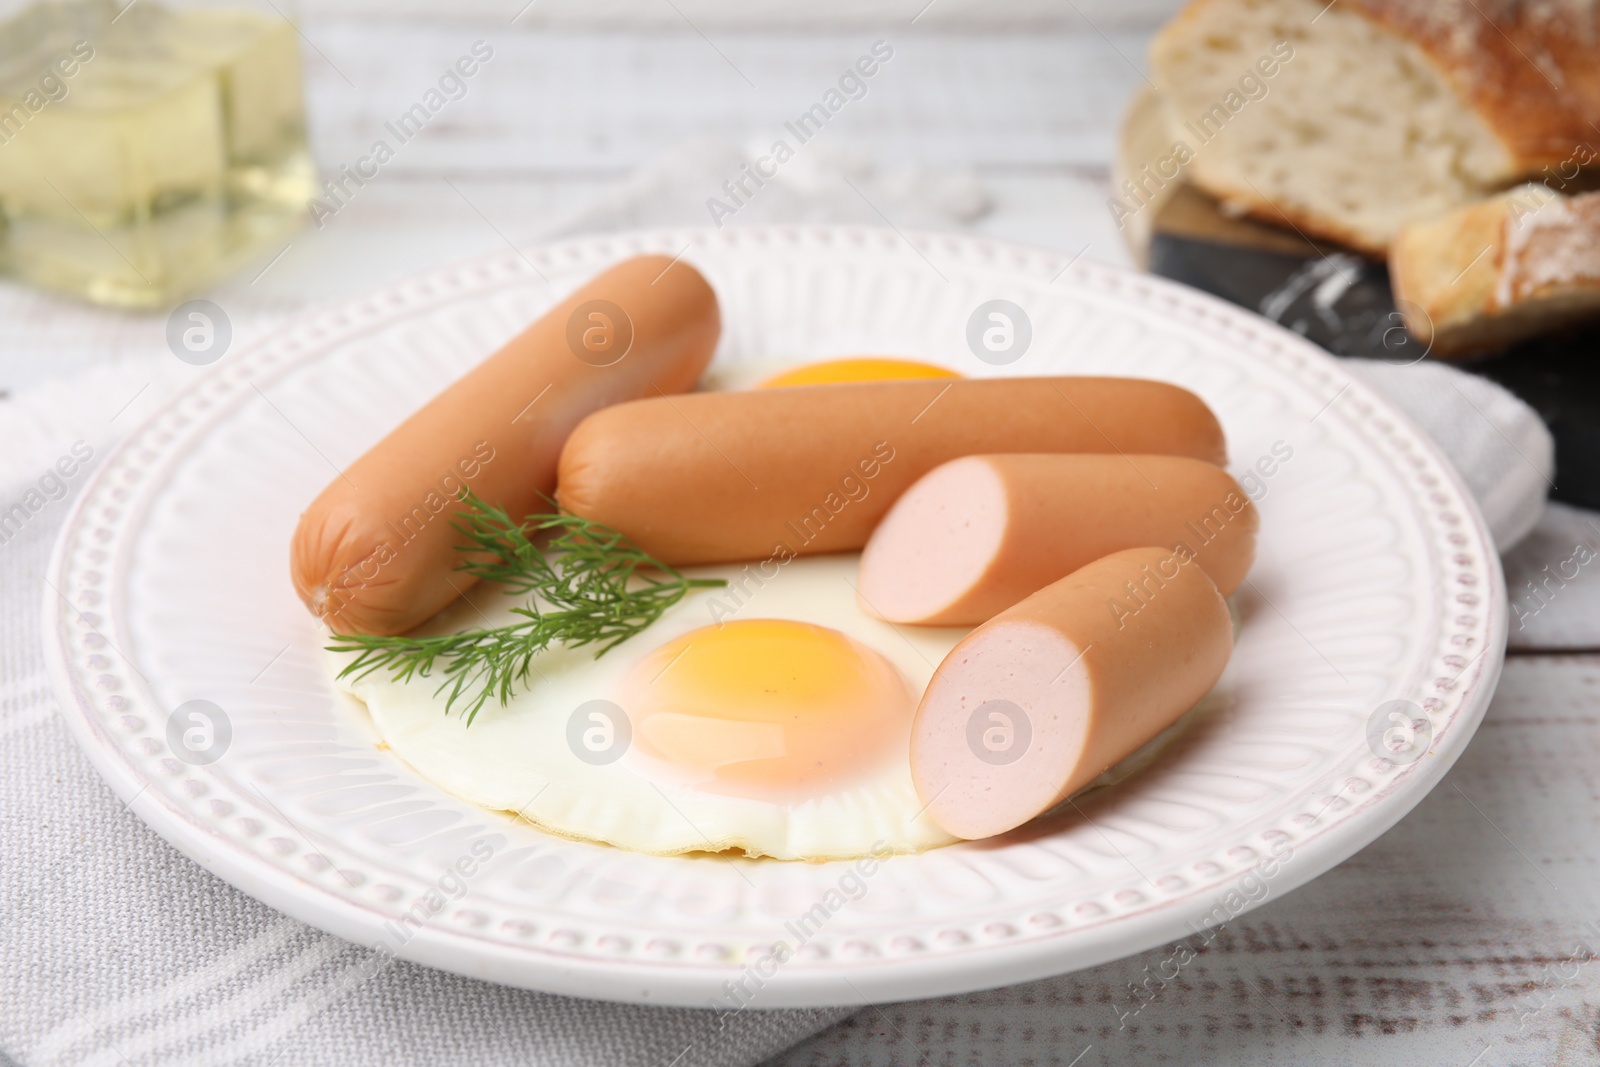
1343,303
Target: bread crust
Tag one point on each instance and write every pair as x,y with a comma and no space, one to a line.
1498,271
1307,222
1529,68
1525,71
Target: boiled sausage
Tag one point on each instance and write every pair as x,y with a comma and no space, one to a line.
1034,704
713,477
376,552
978,534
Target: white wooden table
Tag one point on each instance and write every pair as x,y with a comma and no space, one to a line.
1460,937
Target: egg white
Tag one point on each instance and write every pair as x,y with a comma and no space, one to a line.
518,758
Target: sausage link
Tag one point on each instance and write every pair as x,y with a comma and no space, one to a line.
976,535
376,552
714,477
1031,706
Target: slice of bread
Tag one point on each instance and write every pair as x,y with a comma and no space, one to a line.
1348,120
1499,271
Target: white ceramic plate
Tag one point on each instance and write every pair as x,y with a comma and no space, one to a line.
1376,582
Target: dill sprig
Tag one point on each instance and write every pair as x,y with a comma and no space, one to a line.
597,587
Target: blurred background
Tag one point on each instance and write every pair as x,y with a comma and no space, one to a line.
265,156
1000,117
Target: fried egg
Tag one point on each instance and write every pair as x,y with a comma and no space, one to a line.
857,369
771,717
777,373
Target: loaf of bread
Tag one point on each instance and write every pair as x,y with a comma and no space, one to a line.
1348,120
1498,271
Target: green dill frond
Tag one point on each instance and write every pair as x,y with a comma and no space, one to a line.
588,586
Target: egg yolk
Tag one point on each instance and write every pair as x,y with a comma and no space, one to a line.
767,709
868,369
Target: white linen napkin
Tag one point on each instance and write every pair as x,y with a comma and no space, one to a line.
1502,450
115,949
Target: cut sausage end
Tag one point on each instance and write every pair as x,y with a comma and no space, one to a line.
1028,708
979,534
717,477
935,543
997,736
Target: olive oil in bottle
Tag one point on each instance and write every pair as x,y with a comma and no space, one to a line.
144,151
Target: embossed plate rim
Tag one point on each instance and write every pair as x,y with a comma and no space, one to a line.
586,970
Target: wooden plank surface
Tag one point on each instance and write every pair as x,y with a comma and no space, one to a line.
591,102
720,15
1463,937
